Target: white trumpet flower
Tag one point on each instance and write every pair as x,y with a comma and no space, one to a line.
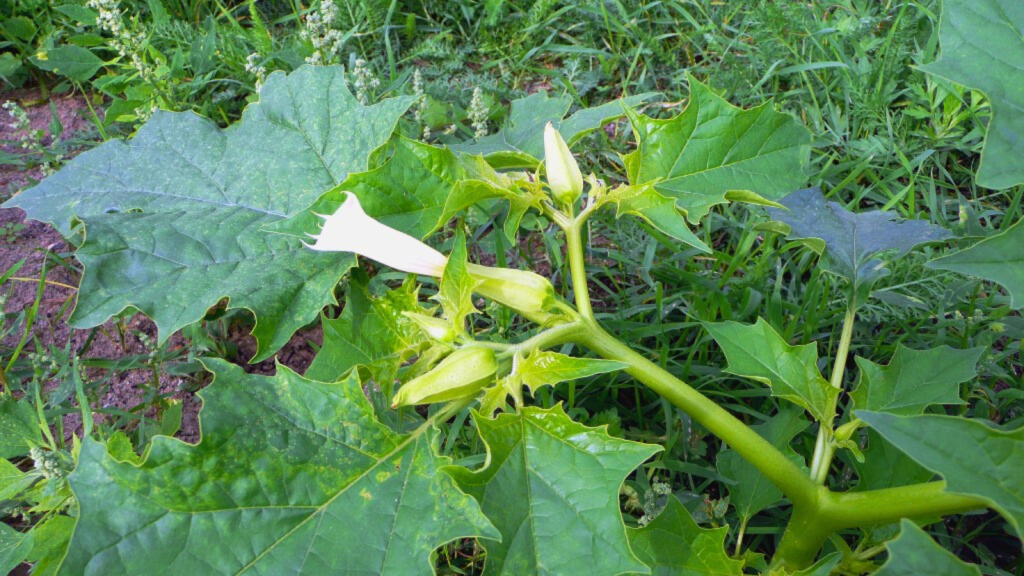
350,229
563,173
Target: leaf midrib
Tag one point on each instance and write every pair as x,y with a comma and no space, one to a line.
320,509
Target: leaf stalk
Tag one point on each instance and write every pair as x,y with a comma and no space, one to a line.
824,446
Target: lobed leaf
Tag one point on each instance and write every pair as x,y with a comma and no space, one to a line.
999,259
520,143
758,352
544,368
175,217
660,211
853,241
914,379
370,332
674,545
714,152
983,48
972,457
550,486
416,191
292,476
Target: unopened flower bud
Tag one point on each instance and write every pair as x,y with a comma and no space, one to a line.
435,328
521,290
463,373
845,432
563,173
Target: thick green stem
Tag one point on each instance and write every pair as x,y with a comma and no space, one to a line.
768,459
804,536
810,526
824,447
817,512
851,509
778,469
577,267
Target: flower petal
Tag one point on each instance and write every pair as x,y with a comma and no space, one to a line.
350,229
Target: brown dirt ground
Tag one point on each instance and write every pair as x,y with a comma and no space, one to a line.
36,240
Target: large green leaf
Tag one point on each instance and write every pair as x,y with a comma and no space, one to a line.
520,144
914,379
914,553
19,428
972,457
715,152
370,332
551,487
292,476
983,47
853,241
758,352
999,259
674,545
752,492
175,217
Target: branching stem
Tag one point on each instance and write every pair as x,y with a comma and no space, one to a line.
817,511
555,336
771,462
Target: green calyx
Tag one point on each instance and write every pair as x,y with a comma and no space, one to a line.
461,374
528,293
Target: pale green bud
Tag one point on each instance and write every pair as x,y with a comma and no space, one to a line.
845,432
563,173
435,328
463,373
525,292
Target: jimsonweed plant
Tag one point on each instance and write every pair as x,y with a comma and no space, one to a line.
342,470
